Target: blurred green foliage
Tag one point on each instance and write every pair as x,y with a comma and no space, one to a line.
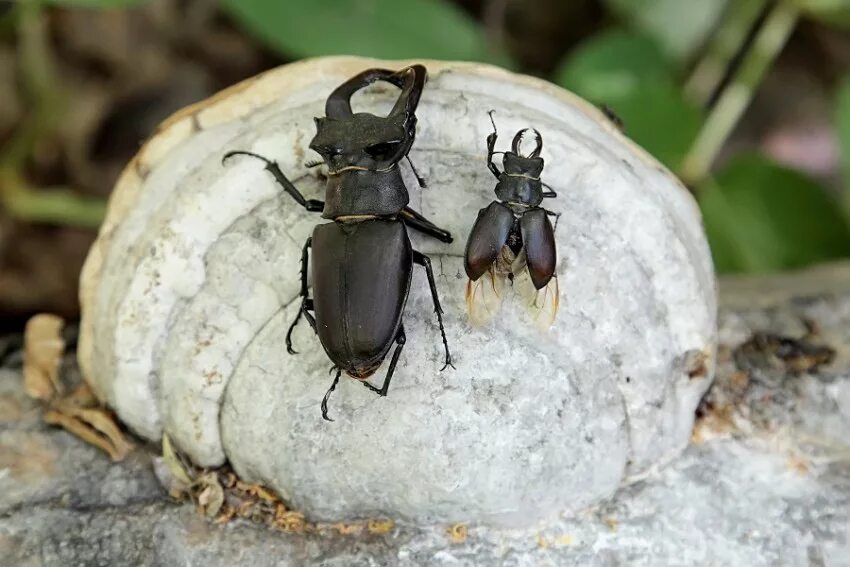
103,4
832,12
433,29
842,122
679,27
630,74
760,216
658,67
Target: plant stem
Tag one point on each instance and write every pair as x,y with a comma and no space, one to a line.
56,206
736,97
730,38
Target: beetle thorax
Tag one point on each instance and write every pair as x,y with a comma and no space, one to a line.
520,180
363,192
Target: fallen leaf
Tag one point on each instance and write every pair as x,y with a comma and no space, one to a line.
82,397
291,522
211,496
347,529
798,464
174,463
43,349
458,533
380,527
93,425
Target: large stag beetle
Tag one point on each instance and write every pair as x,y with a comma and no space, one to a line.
363,260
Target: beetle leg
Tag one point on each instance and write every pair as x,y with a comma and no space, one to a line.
400,339
306,307
425,261
550,194
419,179
312,205
306,302
423,225
328,395
557,218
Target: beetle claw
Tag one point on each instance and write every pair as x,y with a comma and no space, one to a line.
328,395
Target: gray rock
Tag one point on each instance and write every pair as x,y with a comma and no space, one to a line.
767,483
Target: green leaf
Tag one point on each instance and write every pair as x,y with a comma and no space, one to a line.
679,26
94,3
629,74
761,217
842,122
658,117
390,29
830,12
613,65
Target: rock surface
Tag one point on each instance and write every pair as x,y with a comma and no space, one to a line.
767,481
190,288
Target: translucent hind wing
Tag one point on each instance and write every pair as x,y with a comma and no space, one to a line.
542,305
484,297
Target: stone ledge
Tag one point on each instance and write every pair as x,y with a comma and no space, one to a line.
767,482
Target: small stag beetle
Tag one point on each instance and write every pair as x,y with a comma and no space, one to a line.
363,260
512,237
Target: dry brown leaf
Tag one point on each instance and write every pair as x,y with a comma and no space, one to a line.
343,528
380,527
458,533
43,349
264,493
174,463
541,542
211,497
93,425
82,397
291,522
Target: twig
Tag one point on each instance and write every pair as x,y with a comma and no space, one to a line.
730,39
56,206
59,206
736,97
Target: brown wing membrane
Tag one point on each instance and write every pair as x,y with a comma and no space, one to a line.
538,241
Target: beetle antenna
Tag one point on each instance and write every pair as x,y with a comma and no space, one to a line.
328,395
493,122
314,163
229,155
419,178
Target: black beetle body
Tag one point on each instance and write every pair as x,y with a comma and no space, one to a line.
363,261
516,220
357,327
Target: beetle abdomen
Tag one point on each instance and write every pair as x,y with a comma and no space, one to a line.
361,277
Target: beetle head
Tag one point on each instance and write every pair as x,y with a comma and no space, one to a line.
348,140
517,163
